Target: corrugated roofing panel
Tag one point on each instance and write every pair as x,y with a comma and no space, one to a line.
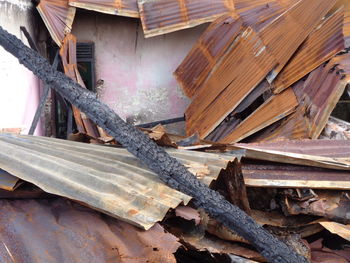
58,231
164,16
113,7
219,36
272,110
109,179
325,148
58,17
317,97
251,58
322,44
331,154
294,176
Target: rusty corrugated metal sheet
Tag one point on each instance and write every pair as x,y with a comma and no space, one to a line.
113,7
57,230
272,110
218,38
323,44
58,17
331,154
317,98
324,148
252,56
164,16
109,179
294,176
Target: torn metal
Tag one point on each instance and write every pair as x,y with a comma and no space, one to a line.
58,17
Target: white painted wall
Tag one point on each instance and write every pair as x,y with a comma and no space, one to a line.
137,72
19,88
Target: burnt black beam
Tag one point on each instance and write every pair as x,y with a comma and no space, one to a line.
162,122
29,38
43,99
170,171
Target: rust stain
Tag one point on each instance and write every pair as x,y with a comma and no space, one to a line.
322,44
317,98
251,57
164,16
126,8
274,109
58,17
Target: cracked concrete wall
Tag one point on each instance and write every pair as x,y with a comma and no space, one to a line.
19,88
137,72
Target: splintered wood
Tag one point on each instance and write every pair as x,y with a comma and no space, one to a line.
240,73
70,67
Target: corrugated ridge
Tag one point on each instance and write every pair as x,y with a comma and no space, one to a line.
324,43
109,179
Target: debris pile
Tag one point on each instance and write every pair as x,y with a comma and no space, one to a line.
263,174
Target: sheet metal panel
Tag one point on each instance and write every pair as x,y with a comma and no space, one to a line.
219,36
330,154
56,230
275,108
106,178
113,7
317,97
294,176
164,16
325,148
322,44
250,60
58,17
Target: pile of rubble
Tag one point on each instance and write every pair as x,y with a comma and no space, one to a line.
267,173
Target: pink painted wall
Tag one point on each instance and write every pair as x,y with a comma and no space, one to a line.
137,72
19,88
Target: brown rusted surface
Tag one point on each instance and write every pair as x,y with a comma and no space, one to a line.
294,176
61,231
251,57
331,154
333,205
188,213
208,50
70,66
113,7
317,98
322,44
274,109
164,16
219,36
58,17
324,148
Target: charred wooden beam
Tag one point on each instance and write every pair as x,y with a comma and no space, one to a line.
169,169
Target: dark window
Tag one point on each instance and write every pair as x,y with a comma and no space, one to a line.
86,64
